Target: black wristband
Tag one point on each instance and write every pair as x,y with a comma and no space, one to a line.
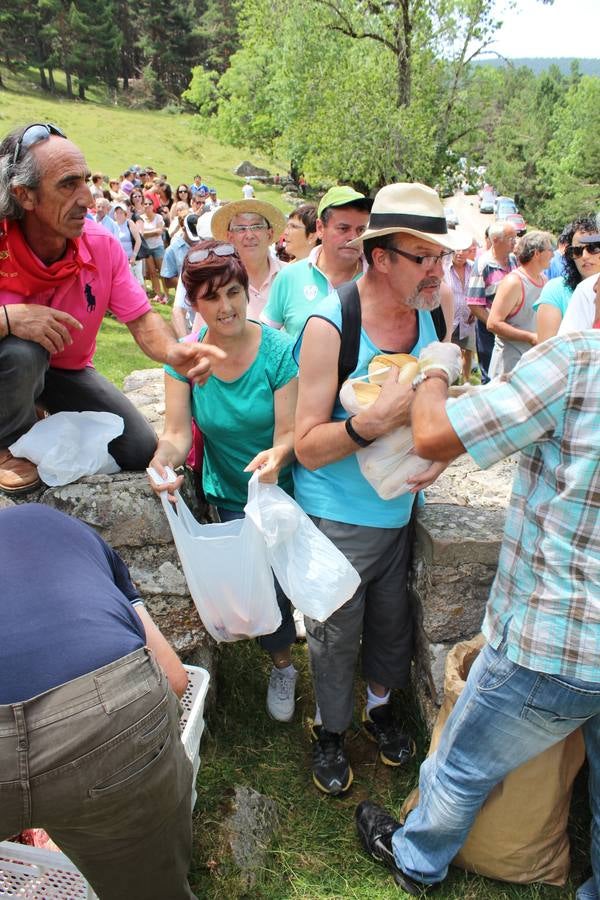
361,441
8,331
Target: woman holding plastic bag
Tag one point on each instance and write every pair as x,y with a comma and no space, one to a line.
246,414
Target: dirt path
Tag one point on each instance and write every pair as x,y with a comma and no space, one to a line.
469,217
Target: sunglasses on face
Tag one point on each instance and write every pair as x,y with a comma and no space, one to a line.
32,135
592,248
197,256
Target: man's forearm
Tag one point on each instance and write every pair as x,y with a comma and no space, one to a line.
153,335
481,313
433,435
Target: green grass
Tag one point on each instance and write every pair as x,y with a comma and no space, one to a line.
117,354
113,138
315,854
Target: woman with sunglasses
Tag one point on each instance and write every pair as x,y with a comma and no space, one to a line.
183,194
246,414
153,225
581,260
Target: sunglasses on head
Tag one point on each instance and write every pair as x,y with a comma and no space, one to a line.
197,256
593,248
32,135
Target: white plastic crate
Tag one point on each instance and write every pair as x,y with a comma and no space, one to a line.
33,873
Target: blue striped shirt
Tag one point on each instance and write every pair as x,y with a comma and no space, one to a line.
546,593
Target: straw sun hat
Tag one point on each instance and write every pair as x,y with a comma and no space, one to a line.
224,214
411,209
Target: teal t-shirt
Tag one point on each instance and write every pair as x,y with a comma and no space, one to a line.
294,294
555,293
237,419
339,491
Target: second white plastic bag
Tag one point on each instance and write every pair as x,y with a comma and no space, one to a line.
313,573
227,572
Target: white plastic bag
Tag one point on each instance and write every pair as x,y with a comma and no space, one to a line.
313,573
227,572
68,445
390,460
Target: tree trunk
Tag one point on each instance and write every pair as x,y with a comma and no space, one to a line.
43,79
404,52
69,85
81,91
1,82
51,81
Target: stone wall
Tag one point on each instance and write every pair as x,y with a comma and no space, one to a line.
458,537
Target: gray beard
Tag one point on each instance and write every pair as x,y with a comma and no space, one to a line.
420,300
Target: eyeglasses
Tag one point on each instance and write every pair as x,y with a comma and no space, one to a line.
34,133
182,191
427,261
240,229
148,203
593,248
197,256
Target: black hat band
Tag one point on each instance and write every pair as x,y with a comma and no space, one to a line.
431,224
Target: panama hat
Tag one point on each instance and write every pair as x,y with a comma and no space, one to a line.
223,216
411,209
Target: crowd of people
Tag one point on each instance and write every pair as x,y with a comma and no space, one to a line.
254,364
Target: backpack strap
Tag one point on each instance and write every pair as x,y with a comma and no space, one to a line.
351,325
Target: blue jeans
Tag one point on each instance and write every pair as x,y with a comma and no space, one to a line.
505,715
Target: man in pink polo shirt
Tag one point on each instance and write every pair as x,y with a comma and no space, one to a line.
59,273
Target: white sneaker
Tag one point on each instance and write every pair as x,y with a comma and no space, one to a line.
280,695
299,625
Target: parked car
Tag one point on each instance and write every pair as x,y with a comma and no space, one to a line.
487,201
505,206
518,221
451,217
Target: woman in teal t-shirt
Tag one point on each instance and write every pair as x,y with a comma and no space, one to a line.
245,411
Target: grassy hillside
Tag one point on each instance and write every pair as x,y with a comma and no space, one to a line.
114,138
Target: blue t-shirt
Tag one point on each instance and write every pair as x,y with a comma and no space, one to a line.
66,602
339,491
555,293
172,263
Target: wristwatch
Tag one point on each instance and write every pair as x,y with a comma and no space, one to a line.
423,376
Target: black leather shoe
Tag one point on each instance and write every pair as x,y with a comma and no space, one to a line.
375,829
395,748
331,770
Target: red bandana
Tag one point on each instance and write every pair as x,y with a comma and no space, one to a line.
23,273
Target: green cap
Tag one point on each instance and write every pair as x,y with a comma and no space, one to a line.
339,195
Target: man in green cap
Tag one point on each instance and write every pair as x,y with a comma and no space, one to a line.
343,214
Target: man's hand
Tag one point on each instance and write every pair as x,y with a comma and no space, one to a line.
424,479
42,324
195,361
389,411
445,357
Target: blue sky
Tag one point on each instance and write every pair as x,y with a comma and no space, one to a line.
567,28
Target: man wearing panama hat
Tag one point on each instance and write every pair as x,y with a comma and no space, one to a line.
404,244
251,226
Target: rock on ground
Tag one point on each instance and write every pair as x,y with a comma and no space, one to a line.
249,829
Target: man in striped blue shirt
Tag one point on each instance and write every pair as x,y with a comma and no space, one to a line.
538,677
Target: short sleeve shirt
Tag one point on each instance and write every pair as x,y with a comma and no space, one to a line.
557,293
485,278
546,593
237,419
66,602
110,286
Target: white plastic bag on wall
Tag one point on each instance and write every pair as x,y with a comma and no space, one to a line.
68,445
